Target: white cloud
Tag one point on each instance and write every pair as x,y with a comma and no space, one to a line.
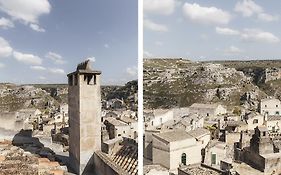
148,24
267,17
5,48
147,54
162,7
132,71
6,23
57,71
27,11
226,31
36,28
40,68
205,15
233,50
92,59
256,35
55,57
2,65
27,58
248,8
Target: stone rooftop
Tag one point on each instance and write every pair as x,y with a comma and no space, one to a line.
174,135
274,117
127,158
148,168
198,132
14,160
200,170
115,122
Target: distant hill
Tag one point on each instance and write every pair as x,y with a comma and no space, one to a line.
180,82
48,97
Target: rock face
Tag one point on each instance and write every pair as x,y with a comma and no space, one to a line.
180,83
15,97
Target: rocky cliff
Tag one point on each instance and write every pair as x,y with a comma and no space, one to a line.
181,82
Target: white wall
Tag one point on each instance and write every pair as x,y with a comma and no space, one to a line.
270,106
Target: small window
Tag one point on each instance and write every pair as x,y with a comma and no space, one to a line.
75,79
208,114
70,80
124,132
119,134
265,106
264,133
183,158
213,159
255,121
277,112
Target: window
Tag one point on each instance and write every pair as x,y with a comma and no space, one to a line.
265,106
70,80
89,79
255,121
183,158
208,114
213,159
277,112
75,79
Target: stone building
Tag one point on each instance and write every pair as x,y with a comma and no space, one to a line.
207,110
273,123
270,106
254,119
159,117
260,153
84,100
175,148
85,129
272,74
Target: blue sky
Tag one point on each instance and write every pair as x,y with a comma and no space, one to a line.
212,30
43,40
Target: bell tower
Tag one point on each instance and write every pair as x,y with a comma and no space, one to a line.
84,100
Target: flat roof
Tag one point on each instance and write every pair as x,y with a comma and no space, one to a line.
172,136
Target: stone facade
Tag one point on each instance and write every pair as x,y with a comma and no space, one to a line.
207,110
84,101
172,149
270,106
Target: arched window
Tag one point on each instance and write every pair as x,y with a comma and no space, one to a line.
183,158
255,121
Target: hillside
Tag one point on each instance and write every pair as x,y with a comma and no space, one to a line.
48,97
180,82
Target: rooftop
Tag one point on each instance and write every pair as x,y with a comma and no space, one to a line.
202,105
199,132
175,135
